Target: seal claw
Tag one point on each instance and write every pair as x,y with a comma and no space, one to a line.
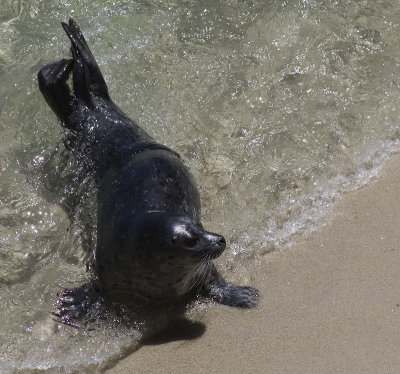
77,304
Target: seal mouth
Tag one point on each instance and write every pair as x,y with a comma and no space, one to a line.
215,254
217,247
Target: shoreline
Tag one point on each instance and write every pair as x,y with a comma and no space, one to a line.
330,303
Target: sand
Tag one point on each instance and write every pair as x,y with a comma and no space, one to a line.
330,303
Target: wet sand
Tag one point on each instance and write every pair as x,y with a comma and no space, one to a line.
330,303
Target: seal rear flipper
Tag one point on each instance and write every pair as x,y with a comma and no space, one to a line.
80,79
53,85
226,293
80,49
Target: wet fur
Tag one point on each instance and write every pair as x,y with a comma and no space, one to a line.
151,245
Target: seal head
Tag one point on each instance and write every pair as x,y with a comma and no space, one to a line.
169,255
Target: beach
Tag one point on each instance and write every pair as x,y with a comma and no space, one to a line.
329,304
287,115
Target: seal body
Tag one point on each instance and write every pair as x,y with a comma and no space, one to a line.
151,244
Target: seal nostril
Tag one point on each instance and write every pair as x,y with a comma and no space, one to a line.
221,240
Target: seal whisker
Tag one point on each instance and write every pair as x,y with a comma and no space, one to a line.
203,263
198,271
199,280
194,276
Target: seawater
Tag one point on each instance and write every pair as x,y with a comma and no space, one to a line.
277,107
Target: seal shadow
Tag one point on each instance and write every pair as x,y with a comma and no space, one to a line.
177,329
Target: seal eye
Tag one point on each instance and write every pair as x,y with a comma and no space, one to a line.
190,241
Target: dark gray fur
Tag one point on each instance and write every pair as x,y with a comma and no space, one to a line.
151,245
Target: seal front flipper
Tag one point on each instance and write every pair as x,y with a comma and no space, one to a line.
217,289
53,85
78,305
80,50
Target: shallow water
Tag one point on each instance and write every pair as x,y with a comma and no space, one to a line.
277,106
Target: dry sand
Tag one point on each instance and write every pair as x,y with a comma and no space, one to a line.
330,303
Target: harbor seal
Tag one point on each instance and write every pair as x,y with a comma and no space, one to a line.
151,245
